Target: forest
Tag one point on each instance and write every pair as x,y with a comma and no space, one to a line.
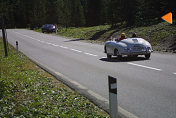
83,13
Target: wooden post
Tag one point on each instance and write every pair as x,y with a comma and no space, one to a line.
4,37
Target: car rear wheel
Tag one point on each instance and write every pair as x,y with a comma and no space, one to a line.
109,56
147,56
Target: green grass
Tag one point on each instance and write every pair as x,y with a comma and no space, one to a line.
28,91
82,32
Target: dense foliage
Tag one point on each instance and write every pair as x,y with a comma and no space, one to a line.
34,13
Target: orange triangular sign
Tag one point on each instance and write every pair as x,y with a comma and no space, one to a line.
168,17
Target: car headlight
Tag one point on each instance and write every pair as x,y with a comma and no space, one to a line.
127,49
143,49
149,49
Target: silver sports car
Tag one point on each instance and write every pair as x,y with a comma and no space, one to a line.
130,46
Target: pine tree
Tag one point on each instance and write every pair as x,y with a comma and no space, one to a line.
78,18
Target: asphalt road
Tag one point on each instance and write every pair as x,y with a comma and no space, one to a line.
146,88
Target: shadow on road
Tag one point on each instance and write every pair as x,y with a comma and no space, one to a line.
123,59
74,40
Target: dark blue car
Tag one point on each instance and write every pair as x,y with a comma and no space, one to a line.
48,28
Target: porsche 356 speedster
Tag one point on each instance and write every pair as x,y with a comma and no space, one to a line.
131,47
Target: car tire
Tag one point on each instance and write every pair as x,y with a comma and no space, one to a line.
109,56
116,53
105,51
132,56
147,56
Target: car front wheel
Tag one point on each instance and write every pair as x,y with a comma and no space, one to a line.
105,51
147,56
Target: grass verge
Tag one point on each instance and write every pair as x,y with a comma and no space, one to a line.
28,91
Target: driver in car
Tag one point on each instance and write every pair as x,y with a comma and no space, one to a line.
134,35
123,36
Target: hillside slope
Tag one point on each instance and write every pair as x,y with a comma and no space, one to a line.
162,36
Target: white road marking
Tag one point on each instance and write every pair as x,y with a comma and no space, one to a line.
90,54
41,41
174,73
55,45
49,43
63,47
145,66
75,50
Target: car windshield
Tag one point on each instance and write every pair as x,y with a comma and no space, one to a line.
48,26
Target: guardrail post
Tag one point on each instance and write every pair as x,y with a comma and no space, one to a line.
113,103
17,47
